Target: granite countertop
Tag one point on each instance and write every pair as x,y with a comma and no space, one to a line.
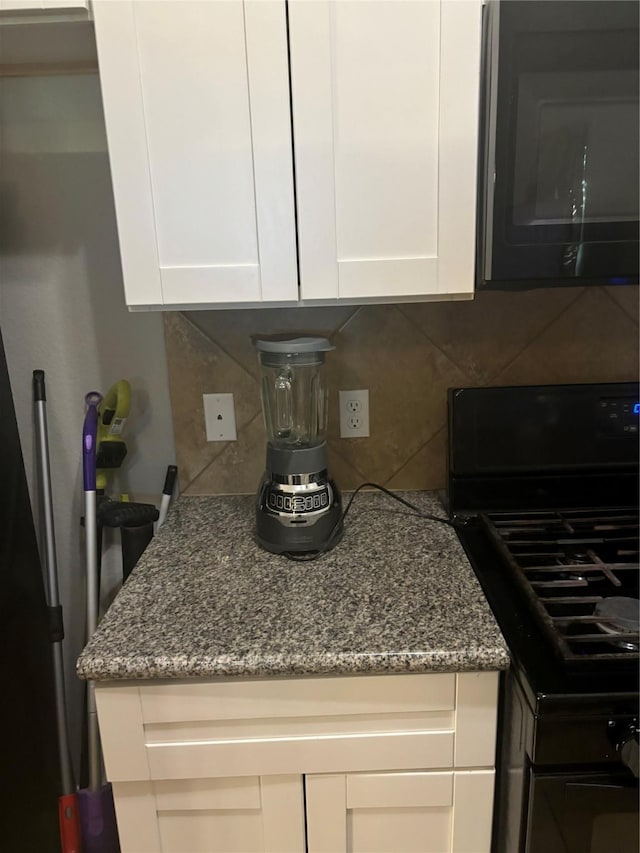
396,595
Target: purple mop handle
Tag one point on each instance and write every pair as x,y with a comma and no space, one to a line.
89,433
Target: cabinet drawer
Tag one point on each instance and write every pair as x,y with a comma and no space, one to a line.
311,754
237,699
244,727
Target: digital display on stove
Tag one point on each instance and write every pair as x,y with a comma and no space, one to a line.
636,409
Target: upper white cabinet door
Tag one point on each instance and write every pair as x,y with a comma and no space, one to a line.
197,112
385,113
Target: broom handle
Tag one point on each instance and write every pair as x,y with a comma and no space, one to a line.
89,433
91,544
93,732
93,736
56,626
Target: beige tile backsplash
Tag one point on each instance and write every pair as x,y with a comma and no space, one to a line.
407,356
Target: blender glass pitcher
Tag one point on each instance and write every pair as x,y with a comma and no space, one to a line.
294,398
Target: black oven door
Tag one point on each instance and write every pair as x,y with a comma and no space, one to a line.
561,192
582,813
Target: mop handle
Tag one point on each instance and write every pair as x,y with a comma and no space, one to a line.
89,433
56,623
39,397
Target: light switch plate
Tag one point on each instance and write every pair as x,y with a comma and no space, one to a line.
219,417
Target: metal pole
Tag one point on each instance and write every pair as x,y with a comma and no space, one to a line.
89,433
51,576
93,596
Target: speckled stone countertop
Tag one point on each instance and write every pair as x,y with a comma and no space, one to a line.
396,595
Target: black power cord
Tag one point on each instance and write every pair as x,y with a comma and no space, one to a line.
315,555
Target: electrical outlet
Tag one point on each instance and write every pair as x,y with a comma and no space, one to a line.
219,417
354,414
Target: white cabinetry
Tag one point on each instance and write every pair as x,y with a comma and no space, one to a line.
202,102
401,812
241,814
385,111
196,102
376,763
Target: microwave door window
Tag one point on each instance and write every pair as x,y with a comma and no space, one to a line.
576,158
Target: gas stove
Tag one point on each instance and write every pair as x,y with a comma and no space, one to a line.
545,479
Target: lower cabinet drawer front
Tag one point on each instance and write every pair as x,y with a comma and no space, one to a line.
245,699
194,760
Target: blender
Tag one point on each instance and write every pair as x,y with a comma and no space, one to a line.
298,508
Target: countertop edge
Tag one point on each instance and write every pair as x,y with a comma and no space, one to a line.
95,669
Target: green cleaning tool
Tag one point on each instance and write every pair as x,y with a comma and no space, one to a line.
112,418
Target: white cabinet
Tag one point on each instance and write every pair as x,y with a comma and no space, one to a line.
409,812
203,103
243,814
196,102
385,763
385,112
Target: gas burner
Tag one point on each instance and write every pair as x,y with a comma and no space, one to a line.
571,564
622,616
579,557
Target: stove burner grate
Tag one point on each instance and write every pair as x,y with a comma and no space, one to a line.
570,564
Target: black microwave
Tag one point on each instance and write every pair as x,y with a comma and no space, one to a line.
559,196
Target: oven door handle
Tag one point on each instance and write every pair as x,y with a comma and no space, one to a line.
615,786
600,786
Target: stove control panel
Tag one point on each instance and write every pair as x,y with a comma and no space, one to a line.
618,416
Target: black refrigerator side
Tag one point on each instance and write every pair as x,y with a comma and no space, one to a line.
29,768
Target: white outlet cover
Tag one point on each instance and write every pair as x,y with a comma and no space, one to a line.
219,417
354,413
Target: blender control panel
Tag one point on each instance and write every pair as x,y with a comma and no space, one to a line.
280,499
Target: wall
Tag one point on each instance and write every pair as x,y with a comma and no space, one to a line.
62,309
407,356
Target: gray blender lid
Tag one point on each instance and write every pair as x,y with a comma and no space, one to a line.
293,346
300,350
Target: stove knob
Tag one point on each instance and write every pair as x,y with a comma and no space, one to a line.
627,746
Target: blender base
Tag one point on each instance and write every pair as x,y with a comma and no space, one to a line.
279,538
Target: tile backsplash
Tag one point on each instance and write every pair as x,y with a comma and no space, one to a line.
407,356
